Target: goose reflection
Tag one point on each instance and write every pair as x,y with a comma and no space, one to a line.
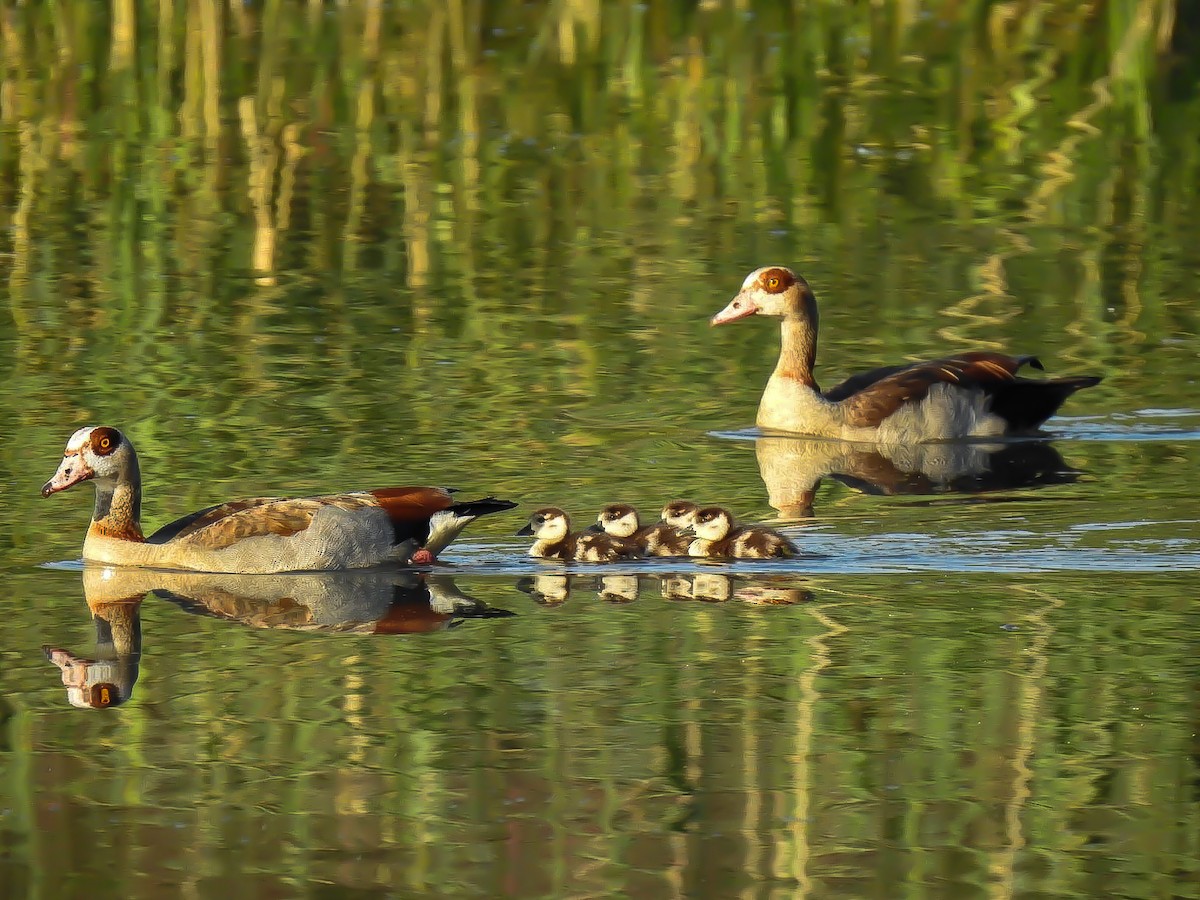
792,468
355,602
361,601
106,678
762,589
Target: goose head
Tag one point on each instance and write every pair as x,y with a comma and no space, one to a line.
548,524
770,291
679,513
712,523
95,453
618,519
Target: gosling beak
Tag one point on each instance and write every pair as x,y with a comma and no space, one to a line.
528,529
739,307
688,531
594,528
71,471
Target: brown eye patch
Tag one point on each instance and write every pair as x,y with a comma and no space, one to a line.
777,280
105,440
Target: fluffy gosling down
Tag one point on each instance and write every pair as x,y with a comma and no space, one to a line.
663,538
551,530
718,537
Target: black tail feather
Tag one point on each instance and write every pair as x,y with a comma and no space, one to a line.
481,507
1025,404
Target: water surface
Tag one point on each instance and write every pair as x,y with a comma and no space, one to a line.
291,249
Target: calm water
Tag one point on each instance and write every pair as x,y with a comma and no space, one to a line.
293,248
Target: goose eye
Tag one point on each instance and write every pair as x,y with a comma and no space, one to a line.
104,441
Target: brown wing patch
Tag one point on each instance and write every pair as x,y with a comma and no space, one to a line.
411,504
879,399
284,518
197,521
222,526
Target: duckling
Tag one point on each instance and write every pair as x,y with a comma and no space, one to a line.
717,536
551,528
665,538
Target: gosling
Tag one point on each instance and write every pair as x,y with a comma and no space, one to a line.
551,530
665,538
717,537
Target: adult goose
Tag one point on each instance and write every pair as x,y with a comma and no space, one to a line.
264,534
975,394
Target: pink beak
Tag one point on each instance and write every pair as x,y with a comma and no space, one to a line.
71,471
739,307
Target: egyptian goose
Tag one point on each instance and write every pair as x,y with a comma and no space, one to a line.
551,530
260,535
976,394
717,537
665,538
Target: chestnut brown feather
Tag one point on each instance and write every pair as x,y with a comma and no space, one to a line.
1023,403
404,504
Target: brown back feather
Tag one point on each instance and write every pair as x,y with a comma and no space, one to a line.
228,523
873,402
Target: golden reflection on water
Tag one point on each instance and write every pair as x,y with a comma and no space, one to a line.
295,248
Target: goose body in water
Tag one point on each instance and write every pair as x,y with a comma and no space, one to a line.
968,395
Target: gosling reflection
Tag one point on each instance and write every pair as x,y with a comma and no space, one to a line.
759,589
546,590
619,588
792,468
756,590
106,678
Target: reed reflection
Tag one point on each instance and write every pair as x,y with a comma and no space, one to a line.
792,468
